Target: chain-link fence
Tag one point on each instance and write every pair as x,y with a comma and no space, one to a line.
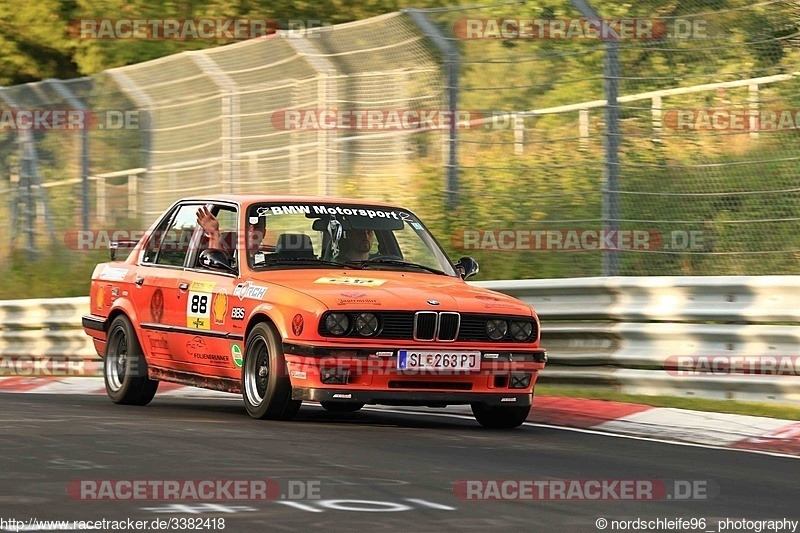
219,121
564,138
674,140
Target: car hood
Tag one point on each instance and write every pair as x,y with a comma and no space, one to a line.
393,290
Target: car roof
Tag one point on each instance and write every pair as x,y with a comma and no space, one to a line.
246,199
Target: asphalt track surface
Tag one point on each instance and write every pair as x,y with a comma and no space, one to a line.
401,467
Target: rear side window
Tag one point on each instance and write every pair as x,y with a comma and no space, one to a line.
153,245
169,245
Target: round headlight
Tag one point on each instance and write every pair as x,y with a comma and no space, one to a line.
366,324
337,323
496,328
520,331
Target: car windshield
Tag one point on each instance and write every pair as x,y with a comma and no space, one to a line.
325,235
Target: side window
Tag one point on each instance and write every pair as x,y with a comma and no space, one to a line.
176,239
227,218
157,237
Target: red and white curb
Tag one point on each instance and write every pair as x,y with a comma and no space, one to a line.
94,385
699,427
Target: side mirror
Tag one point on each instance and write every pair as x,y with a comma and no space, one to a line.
113,246
467,267
216,259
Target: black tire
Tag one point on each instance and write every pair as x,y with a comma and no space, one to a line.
125,367
266,389
500,417
342,407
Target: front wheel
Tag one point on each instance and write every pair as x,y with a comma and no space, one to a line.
266,388
500,417
125,368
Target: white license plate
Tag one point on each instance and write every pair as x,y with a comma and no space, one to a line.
438,360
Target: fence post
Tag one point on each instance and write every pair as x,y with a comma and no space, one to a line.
752,97
452,65
133,191
519,134
229,117
101,199
76,104
327,157
611,74
144,104
583,127
656,109
611,207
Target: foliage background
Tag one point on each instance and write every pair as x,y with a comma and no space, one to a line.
742,192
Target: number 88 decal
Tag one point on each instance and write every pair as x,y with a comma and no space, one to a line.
199,304
198,310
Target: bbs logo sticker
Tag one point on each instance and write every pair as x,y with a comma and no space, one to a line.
237,313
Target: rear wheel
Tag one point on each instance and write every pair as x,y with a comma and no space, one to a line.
266,388
500,417
125,368
342,407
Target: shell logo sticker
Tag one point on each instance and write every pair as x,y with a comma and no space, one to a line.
220,307
362,282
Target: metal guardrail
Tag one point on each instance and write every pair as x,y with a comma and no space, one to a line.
627,333
618,333
44,337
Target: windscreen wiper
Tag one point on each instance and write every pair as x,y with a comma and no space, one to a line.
394,262
269,261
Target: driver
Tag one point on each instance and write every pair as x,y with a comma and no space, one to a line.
355,245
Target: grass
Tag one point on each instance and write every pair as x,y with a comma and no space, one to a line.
785,412
49,276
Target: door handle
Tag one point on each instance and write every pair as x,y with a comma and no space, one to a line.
139,281
184,286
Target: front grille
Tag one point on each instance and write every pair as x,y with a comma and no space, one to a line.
446,385
397,326
425,325
401,325
448,326
473,328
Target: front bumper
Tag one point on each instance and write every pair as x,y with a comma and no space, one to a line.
409,398
370,375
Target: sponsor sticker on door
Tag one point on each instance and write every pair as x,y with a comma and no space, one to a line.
236,355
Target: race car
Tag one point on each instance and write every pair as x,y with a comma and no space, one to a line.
286,299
